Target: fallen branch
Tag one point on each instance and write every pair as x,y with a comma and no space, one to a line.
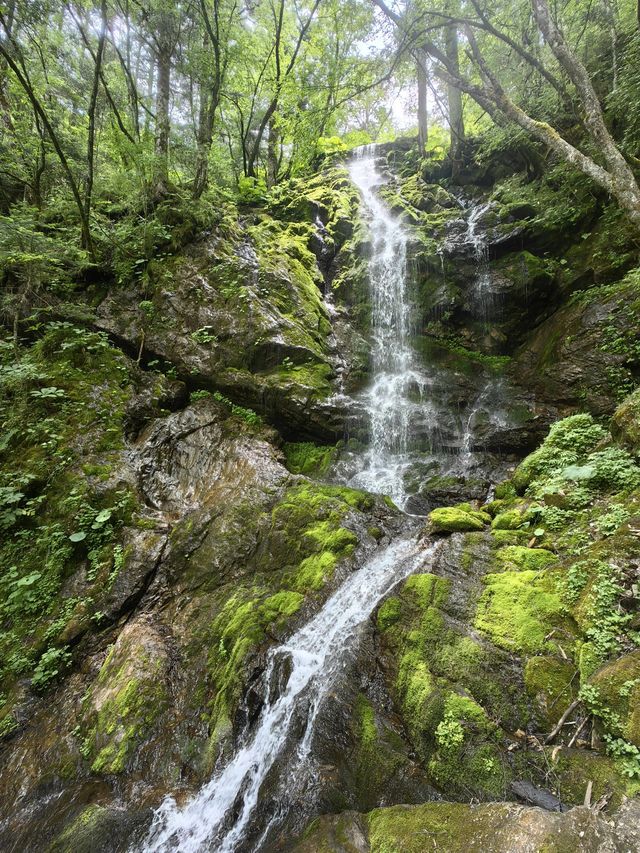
576,734
550,737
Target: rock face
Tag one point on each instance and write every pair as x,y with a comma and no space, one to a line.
490,828
229,551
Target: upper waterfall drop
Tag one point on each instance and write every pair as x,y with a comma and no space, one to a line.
387,400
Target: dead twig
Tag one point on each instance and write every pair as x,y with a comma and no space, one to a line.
552,735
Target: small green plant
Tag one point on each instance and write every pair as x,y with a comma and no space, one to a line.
50,665
247,415
449,733
205,335
627,753
607,524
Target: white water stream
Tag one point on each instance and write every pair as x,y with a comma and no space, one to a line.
317,654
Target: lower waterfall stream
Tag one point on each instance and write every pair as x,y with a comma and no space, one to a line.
301,672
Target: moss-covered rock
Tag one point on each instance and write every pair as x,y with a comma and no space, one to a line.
458,828
457,518
553,684
308,458
127,698
517,557
625,423
618,693
519,609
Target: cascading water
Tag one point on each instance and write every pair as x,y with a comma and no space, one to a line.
223,812
395,379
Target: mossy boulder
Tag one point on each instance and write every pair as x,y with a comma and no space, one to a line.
457,519
625,423
459,828
517,610
128,696
519,558
510,519
618,688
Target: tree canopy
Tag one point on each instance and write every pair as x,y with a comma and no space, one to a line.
109,106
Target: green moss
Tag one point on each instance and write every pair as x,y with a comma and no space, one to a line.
89,830
457,518
450,827
575,769
518,609
511,519
428,590
618,686
625,423
303,538
511,537
389,613
517,557
307,458
553,684
125,715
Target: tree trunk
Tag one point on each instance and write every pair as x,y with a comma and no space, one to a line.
163,50
423,115
454,97
91,112
272,152
624,184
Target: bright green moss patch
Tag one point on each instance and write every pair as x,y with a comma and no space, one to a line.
511,519
303,541
517,557
428,590
518,609
121,707
457,518
236,631
389,613
307,458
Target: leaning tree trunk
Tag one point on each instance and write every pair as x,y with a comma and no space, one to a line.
624,185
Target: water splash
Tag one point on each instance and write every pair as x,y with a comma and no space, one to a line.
221,814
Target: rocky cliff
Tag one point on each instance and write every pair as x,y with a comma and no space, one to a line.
172,456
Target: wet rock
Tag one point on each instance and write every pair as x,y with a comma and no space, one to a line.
457,828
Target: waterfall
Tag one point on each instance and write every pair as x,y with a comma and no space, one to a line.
220,815
225,816
387,401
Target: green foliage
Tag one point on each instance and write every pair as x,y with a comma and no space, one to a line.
49,666
307,458
247,415
63,402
